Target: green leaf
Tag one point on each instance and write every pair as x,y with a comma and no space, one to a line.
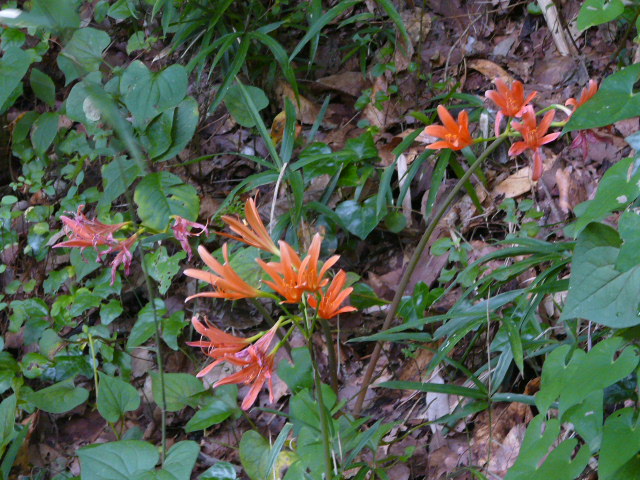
185,121
117,177
598,291
157,137
360,220
596,12
619,187
220,471
147,94
162,267
84,262
449,389
83,53
123,460
614,101
110,311
628,227
218,407
620,445
137,41
179,390
43,87
7,421
115,397
13,66
59,398
297,375
238,108
181,459
172,328
254,455
570,381
162,194
145,326
536,463
55,16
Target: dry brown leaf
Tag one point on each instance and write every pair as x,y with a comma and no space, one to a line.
351,83
520,182
563,181
490,69
306,111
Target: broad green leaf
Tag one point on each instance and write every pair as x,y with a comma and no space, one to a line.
220,471
181,459
238,108
628,227
619,187
598,291
217,408
116,397
43,87
117,177
77,105
84,262
13,66
147,94
185,121
145,326
536,463
7,421
59,398
157,137
123,460
179,390
55,16
162,194
172,327
614,101
571,381
360,220
596,12
297,375
620,445
137,41
83,53
162,267
254,455
110,311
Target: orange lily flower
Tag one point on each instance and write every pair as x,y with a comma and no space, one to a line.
336,295
533,137
284,274
252,231
227,282
587,93
258,368
218,345
454,135
309,279
510,100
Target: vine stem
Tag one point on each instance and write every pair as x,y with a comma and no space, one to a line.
413,263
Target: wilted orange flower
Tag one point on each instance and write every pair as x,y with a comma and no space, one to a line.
454,135
218,345
182,233
309,279
587,93
284,274
331,301
510,100
123,257
533,138
258,368
252,231
83,232
228,284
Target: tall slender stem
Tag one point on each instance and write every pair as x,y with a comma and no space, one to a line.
413,262
333,361
324,427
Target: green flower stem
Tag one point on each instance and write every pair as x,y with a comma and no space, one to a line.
413,262
333,361
324,427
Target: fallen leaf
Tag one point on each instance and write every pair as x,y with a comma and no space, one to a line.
307,112
490,69
351,83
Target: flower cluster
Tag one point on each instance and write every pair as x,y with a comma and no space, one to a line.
84,232
294,279
512,103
